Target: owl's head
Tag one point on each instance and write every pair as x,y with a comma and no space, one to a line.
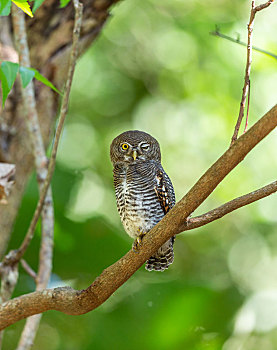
134,146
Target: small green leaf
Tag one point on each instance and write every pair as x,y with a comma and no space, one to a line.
27,75
8,72
5,7
37,4
63,3
44,80
5,88
24,6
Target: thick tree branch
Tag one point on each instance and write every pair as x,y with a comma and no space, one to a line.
75,302
246,86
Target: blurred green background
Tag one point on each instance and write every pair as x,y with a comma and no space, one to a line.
156,68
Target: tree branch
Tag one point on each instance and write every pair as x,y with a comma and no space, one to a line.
74,302
28,269
7,172
237,41
263,6
45,202
9,276
50,48
245,90
12,259
228,207
64,106
38,150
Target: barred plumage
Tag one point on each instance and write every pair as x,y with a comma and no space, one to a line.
144,192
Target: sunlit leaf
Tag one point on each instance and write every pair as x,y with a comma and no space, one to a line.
5,7
24,6
37,4
8,72
26,74
63,3
44,80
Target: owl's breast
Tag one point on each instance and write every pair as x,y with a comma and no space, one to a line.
137,201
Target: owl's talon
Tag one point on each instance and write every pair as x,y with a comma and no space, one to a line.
135,246
138,241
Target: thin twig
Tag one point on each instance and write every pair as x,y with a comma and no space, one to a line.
248,105
228,207
28,269
237,41
263,6
245,90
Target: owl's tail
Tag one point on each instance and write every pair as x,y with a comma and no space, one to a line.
163,257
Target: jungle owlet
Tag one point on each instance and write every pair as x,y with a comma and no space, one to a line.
144,192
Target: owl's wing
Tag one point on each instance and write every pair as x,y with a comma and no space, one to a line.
164,191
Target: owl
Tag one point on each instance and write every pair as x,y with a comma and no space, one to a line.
144,192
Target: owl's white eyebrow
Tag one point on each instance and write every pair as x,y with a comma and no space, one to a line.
144,144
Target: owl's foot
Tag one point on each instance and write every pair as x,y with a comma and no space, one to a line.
138,241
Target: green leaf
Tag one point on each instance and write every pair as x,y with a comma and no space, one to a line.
5,88
8,72
24,6
26,75
44,80
63,3
5,7
37,4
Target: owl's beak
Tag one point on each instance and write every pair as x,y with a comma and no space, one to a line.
135,154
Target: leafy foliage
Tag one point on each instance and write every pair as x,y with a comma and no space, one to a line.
8,73
5,7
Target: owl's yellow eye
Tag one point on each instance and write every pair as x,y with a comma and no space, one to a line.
124,146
